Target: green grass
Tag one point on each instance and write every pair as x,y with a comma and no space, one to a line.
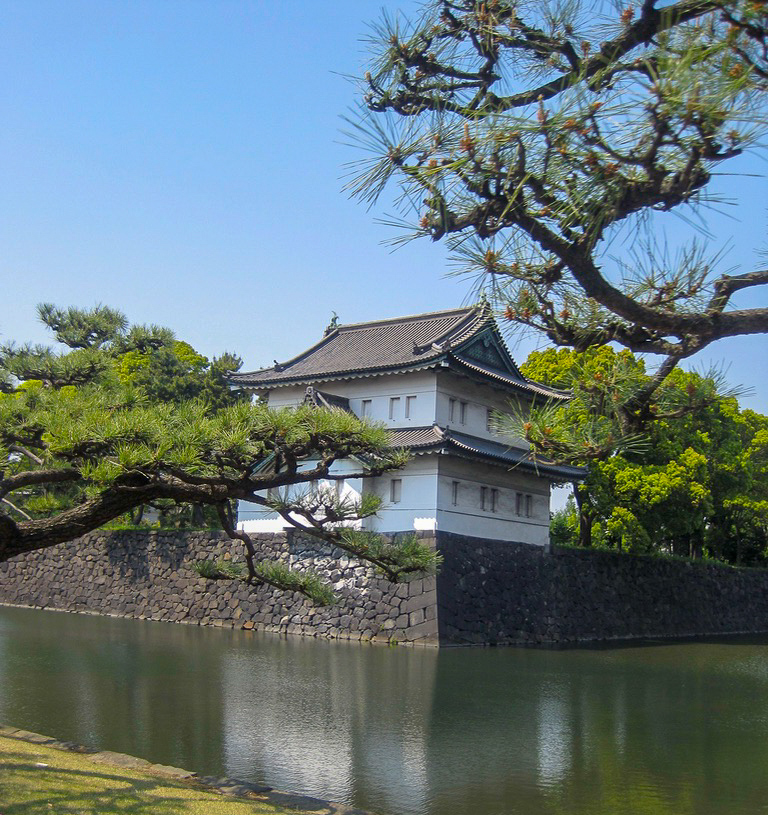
39,780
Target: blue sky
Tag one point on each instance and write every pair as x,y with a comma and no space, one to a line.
182,160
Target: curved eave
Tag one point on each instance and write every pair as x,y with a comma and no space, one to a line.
498,377
554,472
436,440
458,364
359,373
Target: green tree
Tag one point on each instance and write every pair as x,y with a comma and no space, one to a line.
176,372
86,436
105,347
696,483
532,135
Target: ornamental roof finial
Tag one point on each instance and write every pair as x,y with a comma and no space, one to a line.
333,325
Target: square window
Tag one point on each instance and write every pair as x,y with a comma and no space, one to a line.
394,407
463,413
528,506
519,503
455,492
483,497
395,490
410,404
365,407
451,410
494,500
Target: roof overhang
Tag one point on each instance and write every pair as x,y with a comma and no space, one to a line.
436,440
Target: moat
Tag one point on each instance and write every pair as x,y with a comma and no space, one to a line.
670,728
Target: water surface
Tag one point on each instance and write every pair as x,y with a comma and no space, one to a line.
657,729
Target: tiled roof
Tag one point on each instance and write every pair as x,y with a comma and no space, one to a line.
415,437
524,384
398,345
383,344
434,439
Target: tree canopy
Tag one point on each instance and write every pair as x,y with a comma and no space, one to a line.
533,135
696,484
127,415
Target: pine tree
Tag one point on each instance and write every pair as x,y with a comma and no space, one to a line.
127,416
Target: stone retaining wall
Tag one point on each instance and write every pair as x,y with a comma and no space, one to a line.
495,592
149,575
487,592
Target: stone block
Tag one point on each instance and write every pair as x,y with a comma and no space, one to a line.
416,617
413,603
416,587
172,772
120,760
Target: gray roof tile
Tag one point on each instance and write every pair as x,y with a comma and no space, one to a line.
433,439
380,345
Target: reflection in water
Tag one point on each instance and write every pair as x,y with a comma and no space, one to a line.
553,739
677,728
325,717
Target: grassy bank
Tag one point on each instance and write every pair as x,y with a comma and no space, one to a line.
39,780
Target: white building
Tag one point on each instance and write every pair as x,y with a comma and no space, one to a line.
435,380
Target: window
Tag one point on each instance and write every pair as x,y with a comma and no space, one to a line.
365,407
395,490
489,499
455,492
524,505
410,404
462,413
394,407
451,410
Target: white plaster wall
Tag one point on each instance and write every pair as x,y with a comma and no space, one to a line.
426,501
289,396
415,510
479,397
426,498
468,518
433,391
379,389
418,500
256,518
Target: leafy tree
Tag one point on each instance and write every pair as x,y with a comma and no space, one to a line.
531,135
106,348
90,433
696,483
176,372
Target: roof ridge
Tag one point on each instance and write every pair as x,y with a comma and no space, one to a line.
409,317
